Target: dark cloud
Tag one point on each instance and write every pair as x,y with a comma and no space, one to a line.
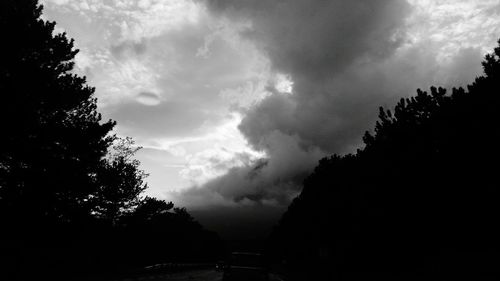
316,39
322,45
346,58
271,182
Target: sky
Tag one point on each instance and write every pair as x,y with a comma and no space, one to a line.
235,101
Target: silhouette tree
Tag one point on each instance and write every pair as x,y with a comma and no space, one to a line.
53,139
120,183
70,190
419,199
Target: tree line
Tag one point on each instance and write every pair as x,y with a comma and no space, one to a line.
71,193
419,201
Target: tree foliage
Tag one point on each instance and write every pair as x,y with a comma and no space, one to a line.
53,139
65,178
421,197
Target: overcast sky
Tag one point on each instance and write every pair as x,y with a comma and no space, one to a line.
235,101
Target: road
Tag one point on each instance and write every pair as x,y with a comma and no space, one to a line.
193,275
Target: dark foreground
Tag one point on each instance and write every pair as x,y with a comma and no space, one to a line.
191,275
212,275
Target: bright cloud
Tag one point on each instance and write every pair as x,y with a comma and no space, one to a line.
150,18
452,25
171,75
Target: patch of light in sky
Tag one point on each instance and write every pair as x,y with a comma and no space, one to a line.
283,84
454,24
222,149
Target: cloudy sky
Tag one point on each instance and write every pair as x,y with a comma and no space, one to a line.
235,101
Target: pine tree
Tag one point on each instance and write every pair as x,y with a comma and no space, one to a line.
53,140
69,188
420,197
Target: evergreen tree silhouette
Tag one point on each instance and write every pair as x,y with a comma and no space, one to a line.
53,140
70,190
419,200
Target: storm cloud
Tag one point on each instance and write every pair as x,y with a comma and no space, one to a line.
345,59
316,44
235,101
